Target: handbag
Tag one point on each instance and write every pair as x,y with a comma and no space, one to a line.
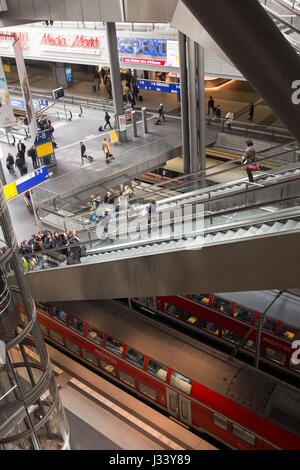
253,166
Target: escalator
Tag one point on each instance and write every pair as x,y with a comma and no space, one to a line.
251,232
63,213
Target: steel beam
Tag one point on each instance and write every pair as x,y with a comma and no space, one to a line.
258,49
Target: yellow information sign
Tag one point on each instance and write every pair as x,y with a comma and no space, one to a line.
10,190
44,149
6,68
113,137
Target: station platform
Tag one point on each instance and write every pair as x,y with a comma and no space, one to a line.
234,95
102,416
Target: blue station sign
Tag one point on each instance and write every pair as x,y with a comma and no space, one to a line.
26,182
158,86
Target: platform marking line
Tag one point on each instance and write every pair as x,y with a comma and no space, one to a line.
126,415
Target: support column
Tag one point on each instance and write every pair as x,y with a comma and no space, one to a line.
184,103
111,39
192,101
201,110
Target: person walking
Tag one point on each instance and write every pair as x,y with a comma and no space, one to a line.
217,113
248,158
10,164
229,118
19,163
21,150
106,150
107,120
33,155
75,252
160,113
210,105
83,150
151,210
102,72
131,99
251,112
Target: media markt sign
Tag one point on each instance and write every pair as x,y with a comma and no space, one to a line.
2,352
70,42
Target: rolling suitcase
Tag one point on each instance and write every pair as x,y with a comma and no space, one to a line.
90,159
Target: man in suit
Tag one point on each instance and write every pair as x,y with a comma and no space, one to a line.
21,150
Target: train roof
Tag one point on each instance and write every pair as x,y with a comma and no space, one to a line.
286,308
223,374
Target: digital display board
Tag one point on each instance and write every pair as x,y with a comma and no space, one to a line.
158,86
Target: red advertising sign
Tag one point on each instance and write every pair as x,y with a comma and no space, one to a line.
134,60
70,41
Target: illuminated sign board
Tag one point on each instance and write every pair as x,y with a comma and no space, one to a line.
158,86
153,47
25,183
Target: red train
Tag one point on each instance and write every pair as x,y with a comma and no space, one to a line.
228,318
210,392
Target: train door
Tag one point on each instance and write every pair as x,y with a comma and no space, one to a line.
179,407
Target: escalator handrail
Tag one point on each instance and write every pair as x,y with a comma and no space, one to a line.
161,185
249,188
225,213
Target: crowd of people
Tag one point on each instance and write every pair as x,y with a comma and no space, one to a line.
66,243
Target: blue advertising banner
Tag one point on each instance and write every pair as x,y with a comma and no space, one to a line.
69,75
20,104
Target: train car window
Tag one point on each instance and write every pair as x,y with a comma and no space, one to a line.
270,325
202,298
295,366
152,302
108,367
209,326
244,435
149,392
221,305
89,356
250,344
114,346
289,333
180,382
127,379
74,347
56,337
189,318
220,421
230,336
135,357
59,315
94,335
45,308
171,309
76,325
43,329
157,369
275,356
243,314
